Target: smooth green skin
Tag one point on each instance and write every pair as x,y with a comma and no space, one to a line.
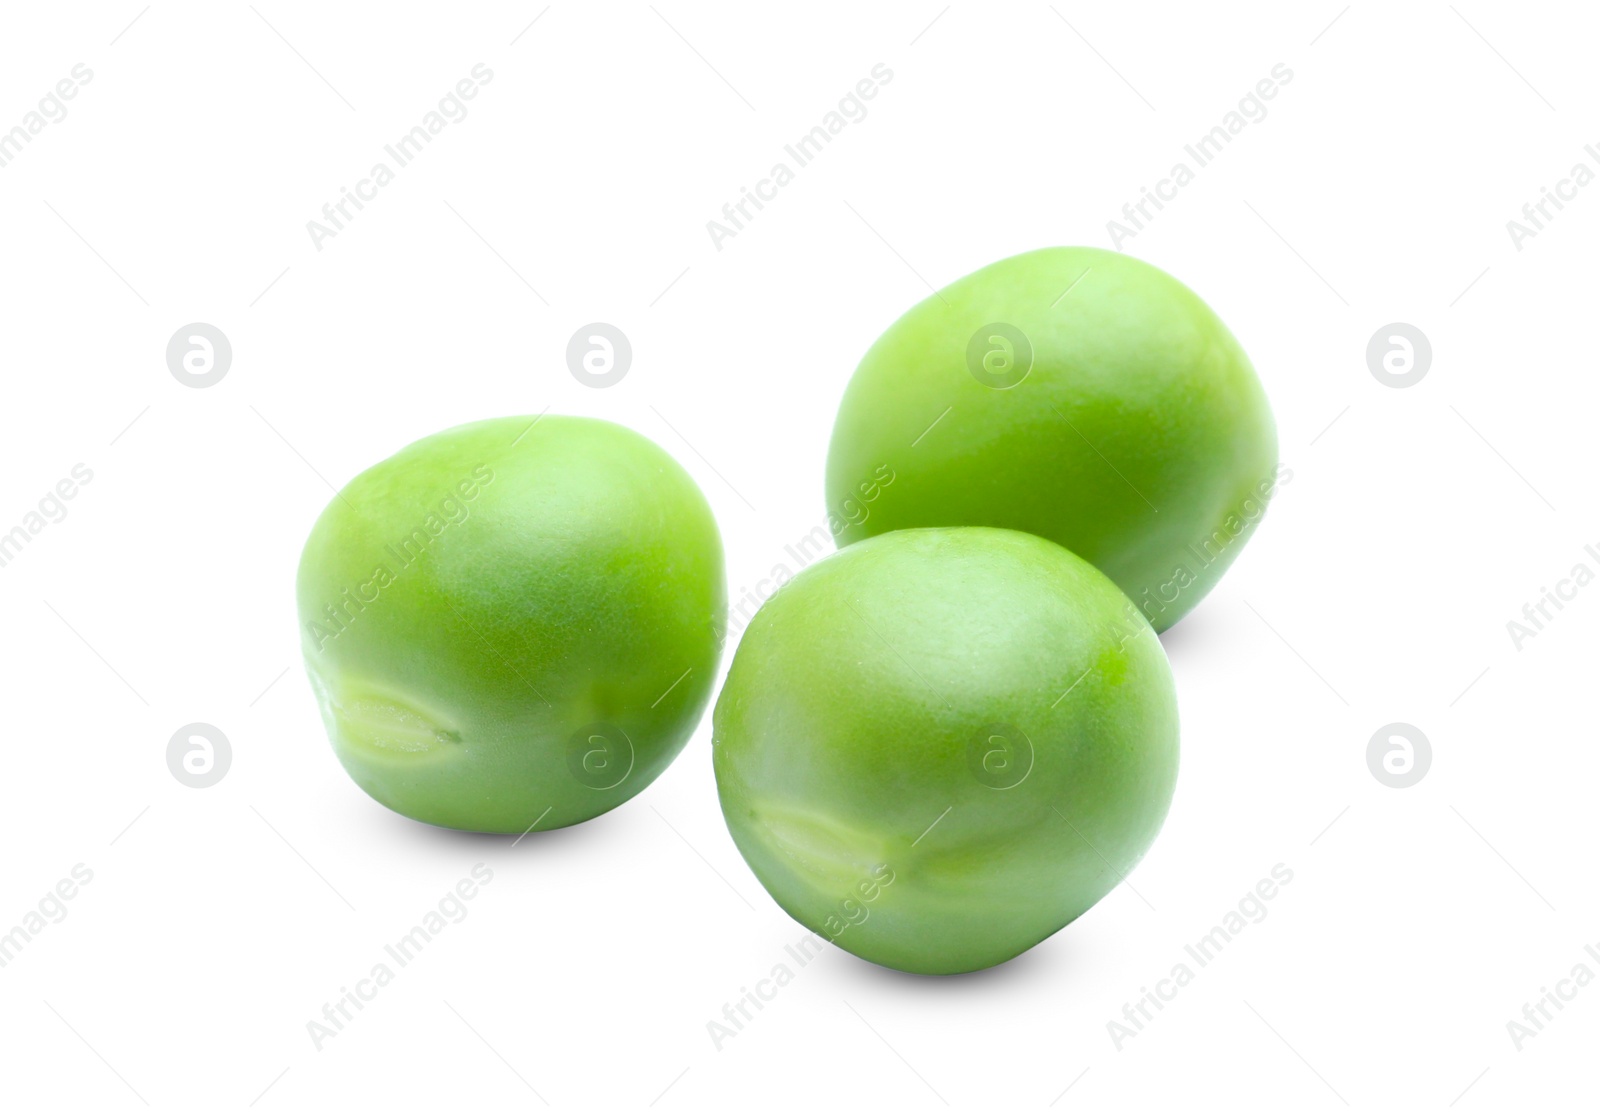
1140,439
843,731
584,580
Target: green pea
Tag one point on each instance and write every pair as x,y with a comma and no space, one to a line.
939,746
1070,392
514,622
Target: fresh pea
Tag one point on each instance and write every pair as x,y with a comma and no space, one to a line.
513,623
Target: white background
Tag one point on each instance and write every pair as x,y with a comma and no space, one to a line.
1418,522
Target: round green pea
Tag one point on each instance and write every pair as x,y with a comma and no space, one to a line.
940,746
513,623
1075,393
